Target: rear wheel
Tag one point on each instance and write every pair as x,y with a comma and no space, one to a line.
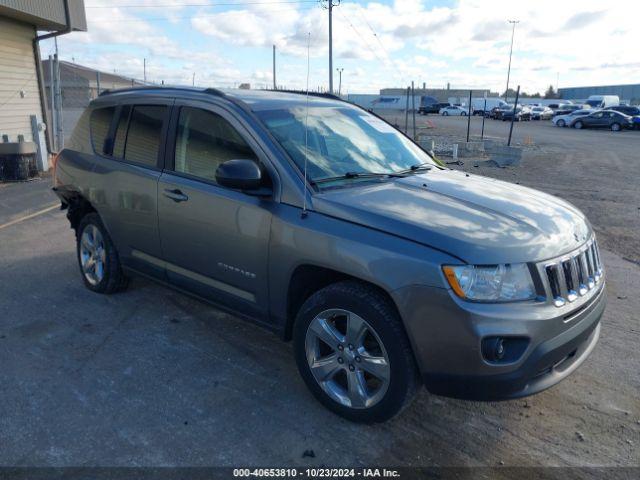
561,123
97,257
445,113
353,353
578,125
464,114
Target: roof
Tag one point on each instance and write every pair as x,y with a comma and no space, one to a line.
74,75
255,100
46,14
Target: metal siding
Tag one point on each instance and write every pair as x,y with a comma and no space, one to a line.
45,14
625,92
17,72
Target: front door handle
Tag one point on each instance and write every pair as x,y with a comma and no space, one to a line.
176,195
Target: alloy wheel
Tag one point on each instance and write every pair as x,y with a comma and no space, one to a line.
347,358
92,254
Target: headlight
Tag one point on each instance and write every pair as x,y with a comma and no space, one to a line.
492,283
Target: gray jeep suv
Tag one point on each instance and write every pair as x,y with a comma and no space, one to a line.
321,222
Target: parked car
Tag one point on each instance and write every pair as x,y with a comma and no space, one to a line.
432,108
387,273
521,114
566,109
564,120
453,110
626,109
613,120
541,113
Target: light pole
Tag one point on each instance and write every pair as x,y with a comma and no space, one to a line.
513,32
340,70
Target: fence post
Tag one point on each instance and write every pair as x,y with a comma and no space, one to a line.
413,110
406,114
469,115
52,98
484,115
513,118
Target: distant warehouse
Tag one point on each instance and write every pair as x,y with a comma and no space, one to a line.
627,93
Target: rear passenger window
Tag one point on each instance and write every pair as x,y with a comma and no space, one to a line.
143,138
121,132
100,123
205,140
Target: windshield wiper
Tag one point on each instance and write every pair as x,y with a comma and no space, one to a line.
350,175
416,168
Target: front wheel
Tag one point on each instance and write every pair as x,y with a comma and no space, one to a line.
561,123
445,114
577,125
353,353
464,114
97,257
615,127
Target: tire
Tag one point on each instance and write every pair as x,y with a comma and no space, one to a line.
463,114
561,123
616,127
330,310
578,125
104,274
445,114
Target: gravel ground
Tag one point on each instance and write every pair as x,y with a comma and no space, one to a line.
150,377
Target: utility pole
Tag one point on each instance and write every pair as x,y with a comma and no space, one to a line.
144,69
274,68
513,32
193,80
330,6
340,70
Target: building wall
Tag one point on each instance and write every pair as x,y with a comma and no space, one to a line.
629,93
17,74
46,14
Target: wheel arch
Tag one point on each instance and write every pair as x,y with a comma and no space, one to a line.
307,279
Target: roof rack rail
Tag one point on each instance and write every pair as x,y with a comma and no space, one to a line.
212,91
303,92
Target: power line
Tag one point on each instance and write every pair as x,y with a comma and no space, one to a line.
222,4
361,37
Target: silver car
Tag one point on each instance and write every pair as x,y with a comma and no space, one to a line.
565,120
321,222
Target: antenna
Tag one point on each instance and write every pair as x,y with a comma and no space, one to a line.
306,132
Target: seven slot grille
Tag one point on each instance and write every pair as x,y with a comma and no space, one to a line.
573,276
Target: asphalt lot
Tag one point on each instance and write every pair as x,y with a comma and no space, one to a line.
150,377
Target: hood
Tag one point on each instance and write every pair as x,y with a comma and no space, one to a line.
477,219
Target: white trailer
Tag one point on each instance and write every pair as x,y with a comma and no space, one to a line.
478,106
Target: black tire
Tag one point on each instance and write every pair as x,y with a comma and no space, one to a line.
463,114
561,123
378,311
578,125
446,114
113,279
616,127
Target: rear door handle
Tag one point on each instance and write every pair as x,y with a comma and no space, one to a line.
176,195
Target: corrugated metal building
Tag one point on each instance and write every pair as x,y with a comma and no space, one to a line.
21,81
628,93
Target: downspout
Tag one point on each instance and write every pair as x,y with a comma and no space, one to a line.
36,53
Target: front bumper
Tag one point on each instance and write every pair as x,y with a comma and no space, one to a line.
447,343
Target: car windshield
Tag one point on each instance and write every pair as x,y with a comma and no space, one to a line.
341,141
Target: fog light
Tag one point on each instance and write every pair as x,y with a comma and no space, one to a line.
504,349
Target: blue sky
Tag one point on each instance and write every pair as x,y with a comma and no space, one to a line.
378,44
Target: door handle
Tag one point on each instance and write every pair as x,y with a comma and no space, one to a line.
176,195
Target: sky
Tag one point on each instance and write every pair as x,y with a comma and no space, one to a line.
388,43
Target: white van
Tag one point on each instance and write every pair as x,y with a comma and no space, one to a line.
478,107
603,101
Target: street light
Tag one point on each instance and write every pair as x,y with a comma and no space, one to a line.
340,70
513,32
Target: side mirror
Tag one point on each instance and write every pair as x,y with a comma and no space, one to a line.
239,174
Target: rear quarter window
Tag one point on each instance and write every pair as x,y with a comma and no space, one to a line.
99,126
144,134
